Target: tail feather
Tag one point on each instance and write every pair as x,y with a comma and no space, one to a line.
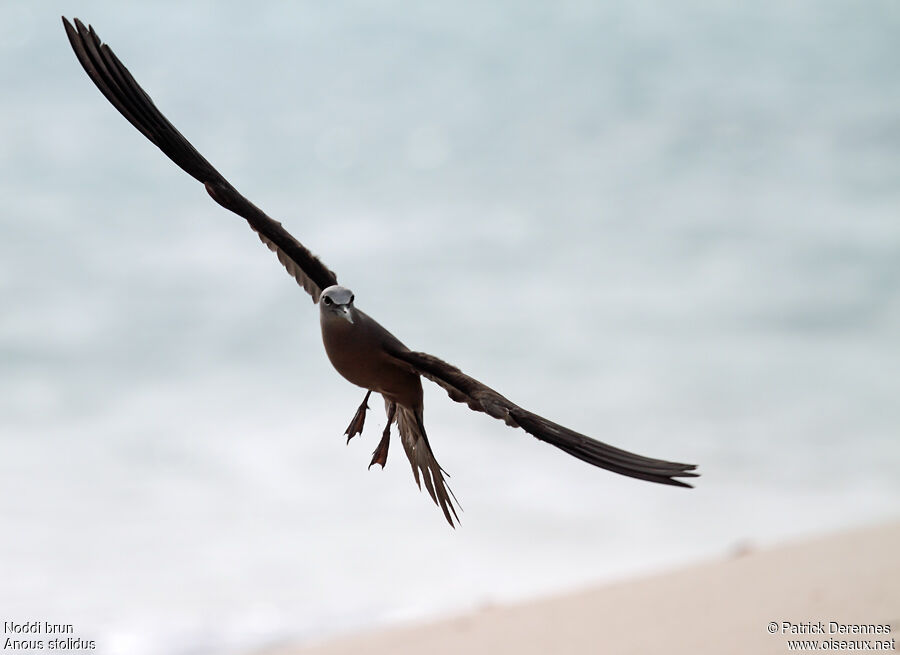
424,465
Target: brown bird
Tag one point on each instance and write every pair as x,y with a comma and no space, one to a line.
359,348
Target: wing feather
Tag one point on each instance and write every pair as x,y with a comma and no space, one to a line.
116,83
478,396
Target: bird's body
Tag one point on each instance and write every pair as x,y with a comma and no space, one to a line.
357,351
359,348
362,351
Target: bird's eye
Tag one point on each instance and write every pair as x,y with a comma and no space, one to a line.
351,298
326,300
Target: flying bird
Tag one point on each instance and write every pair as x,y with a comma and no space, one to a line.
359,348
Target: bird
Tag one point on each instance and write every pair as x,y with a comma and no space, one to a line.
358,347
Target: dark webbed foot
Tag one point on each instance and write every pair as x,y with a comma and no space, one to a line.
381,452
359,419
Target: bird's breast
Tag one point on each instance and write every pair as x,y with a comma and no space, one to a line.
359,356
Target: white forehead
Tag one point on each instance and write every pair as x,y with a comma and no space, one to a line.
338,294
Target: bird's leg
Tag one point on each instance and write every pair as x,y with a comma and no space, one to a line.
380,454
356,425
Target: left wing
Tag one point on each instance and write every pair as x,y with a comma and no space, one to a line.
478,396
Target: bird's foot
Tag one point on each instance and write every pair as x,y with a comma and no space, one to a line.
359,419
381,452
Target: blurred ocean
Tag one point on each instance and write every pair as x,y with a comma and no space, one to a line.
674,226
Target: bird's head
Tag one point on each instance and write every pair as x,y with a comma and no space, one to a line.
337,301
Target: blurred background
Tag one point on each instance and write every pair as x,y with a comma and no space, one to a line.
673,226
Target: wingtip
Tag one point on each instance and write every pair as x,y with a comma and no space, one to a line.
681,483
79,28
67,26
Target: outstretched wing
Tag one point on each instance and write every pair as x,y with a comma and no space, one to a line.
465,389
126,95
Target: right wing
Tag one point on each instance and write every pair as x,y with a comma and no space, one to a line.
126,95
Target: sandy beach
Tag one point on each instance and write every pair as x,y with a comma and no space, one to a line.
841,591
